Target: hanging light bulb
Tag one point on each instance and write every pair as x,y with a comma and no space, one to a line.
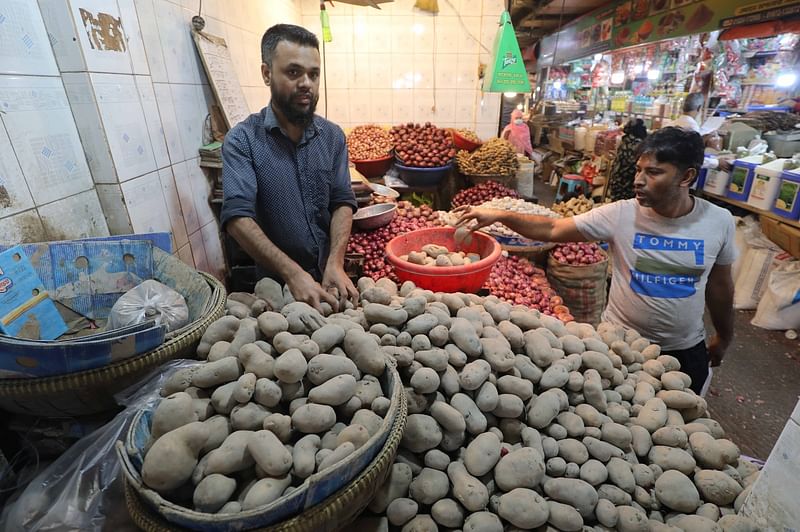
618,77
510,95
786,79
653,74
557,85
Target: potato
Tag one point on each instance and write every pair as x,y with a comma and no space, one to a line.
468,490
232,456
619,472
429,486
313,418
523,508
448,513
422,433
522,468
425,380
717,487
324,367
170,461
564,517
696,523
249,416
463,335
355,433
711,453
483,522
572,450
543,409
581,495
653,415
223,329
335,391
401,511
265,491
395,486
497,351
341,452
365,352
213,374
269,453
676,491
737,523
474,374
482,454
631,519
172,412
671,436
290,367
212,493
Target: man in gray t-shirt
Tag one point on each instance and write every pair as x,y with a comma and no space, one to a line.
672,253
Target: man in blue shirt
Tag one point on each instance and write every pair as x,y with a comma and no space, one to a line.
287,195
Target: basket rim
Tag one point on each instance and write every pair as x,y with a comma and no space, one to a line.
152,499
145,518
13,387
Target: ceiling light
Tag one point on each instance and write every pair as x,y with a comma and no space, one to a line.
557,85
653,74
618,77
510,95
786,79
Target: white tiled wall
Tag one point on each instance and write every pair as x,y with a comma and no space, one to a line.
46,189
139,102
399,64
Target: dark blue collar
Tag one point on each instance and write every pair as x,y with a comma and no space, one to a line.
271,124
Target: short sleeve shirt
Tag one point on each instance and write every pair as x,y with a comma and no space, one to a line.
290,190
661,266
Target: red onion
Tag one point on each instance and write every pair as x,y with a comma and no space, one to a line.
481,193
578,253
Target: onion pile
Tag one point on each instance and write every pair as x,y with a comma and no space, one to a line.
515,205
517,281
484,192
578,253
422,146
469,135
372,244
365,143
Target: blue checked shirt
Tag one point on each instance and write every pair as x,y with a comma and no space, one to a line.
290,190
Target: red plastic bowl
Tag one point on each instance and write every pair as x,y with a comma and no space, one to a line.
463,143
469,278
372,168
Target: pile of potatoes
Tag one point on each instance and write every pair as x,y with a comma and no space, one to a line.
574,206
436,255
494,157
284,393
518,421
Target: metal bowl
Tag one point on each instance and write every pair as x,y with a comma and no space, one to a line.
374,216
383,190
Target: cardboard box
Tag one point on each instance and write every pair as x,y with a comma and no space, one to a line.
785,236
26,310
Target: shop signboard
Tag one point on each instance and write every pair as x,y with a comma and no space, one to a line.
636,22
590,34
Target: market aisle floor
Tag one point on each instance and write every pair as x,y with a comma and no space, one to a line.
756,389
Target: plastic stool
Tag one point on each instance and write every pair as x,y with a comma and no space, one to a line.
571,184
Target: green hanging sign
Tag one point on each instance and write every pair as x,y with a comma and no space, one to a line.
508,72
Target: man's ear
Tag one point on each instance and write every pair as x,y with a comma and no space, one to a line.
689,177
266,74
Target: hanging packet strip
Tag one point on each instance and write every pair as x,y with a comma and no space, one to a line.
26,310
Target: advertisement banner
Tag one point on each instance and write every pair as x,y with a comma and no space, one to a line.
636,22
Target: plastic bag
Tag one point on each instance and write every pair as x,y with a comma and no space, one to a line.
779,309
150,300
756,265
82,489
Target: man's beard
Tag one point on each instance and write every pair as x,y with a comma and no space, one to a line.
292,113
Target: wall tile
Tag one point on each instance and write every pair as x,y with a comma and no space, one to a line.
185,254
339,70
401,36
486,131
448,35
402,106
166,109
176,42
133,32
488,111
22,228
113,56
360,108
379,28
445,114
61,33
14,193
361,71
213,248
78,216
467,71
80,93
201,192
124,124
190,112
381,106
147,209
493,7
423,33
423,106
465,107
446,71
403,72
341,31
338,106
41,128
469,37
152,118
199,251
116,213
173,204
152,40
25,46
380,71
186,196
423,71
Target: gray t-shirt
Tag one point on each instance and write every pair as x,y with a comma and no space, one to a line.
660,266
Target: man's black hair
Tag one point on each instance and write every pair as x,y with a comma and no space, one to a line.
636,128
285,32
673,145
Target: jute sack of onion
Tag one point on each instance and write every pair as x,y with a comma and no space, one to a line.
578,271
